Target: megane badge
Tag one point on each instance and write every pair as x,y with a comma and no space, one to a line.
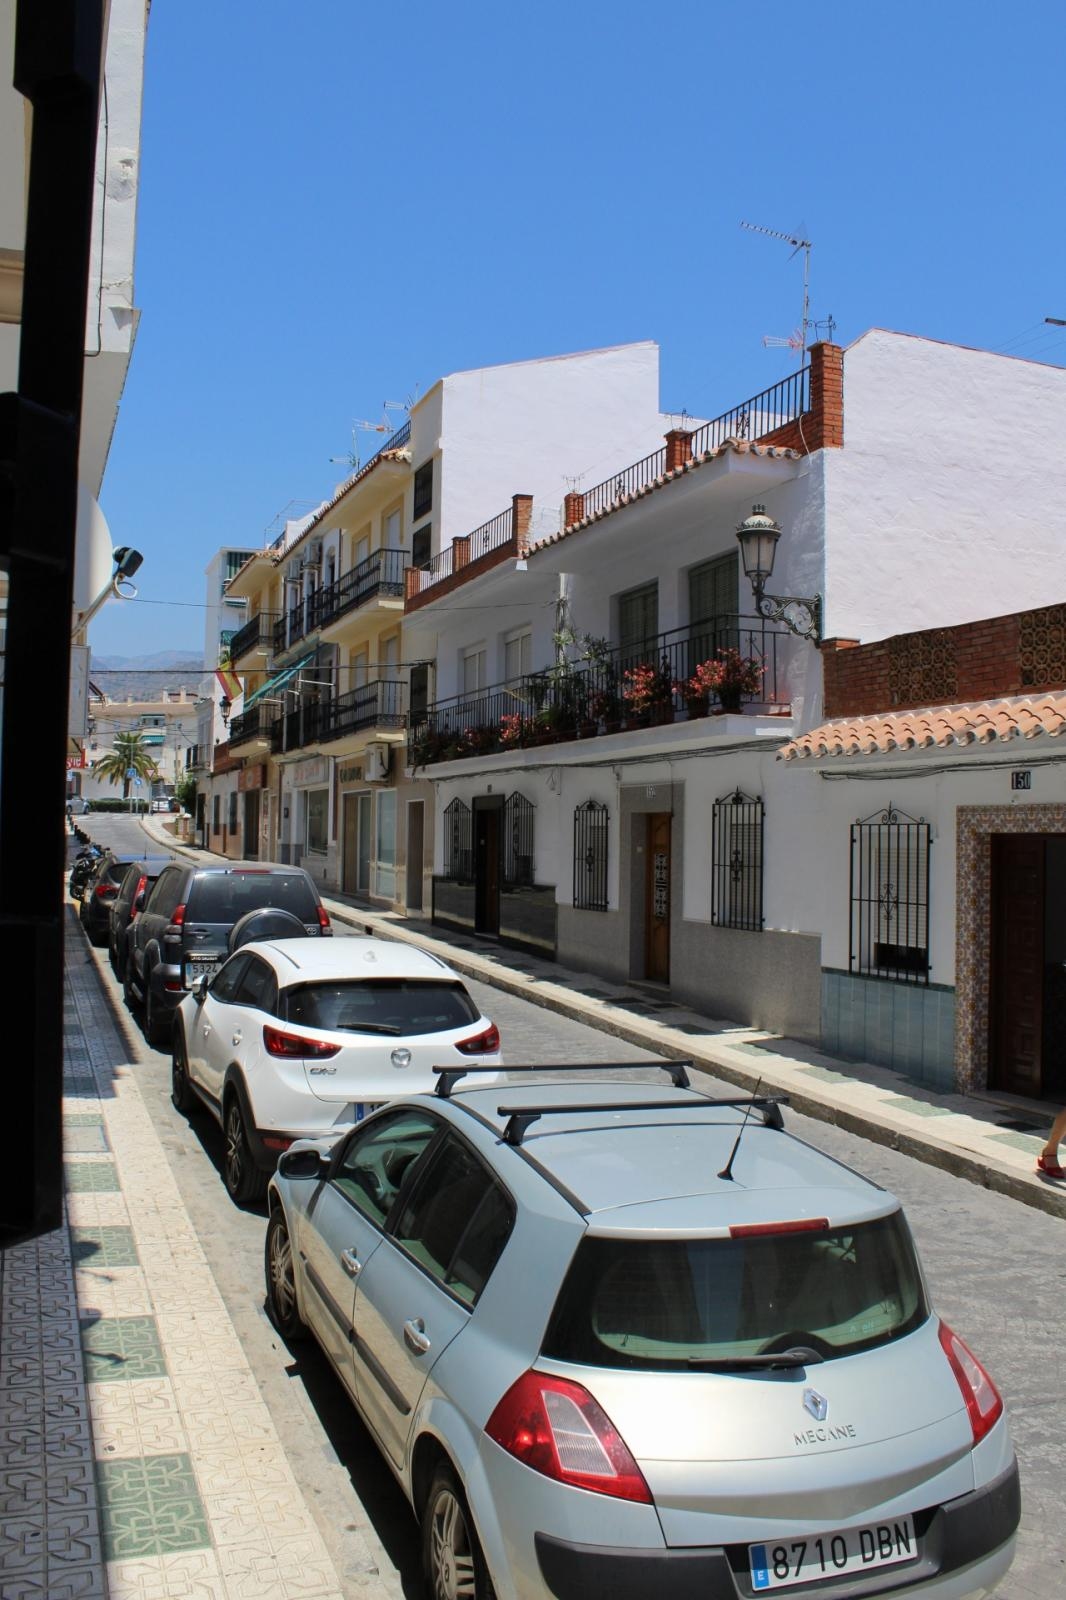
816,1404
401,1058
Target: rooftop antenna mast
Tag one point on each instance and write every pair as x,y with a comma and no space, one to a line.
361,425
806,324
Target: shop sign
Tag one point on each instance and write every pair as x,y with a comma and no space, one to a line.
77,763
350,773
252,777
315,770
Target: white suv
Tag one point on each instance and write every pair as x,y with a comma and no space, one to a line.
297,1038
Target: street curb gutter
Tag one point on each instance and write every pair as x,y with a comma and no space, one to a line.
877,1121
880,1125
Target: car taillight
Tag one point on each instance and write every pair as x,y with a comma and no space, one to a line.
482,1044
106,891
293,1045
142,883
177,916
558,1429
754,1230
323,919
983,1399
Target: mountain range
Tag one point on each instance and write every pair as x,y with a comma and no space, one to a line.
146,677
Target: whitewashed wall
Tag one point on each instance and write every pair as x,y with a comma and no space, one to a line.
948,501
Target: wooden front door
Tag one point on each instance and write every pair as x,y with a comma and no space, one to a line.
1016,997
657,899
487,840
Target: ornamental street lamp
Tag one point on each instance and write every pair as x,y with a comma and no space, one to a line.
758,536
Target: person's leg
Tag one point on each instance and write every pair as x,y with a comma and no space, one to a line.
1057,1134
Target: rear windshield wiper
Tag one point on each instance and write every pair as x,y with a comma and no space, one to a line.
798,1356
366,1027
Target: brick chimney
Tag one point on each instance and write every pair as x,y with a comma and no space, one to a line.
678,449
826,430
521,520
573,508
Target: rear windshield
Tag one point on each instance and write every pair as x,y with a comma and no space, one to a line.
380,1005
670,1304
225,896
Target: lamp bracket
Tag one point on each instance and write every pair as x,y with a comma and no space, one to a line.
801,616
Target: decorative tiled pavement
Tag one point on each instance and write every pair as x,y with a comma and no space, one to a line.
138,1460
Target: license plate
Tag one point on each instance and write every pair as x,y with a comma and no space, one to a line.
779,1562
195,970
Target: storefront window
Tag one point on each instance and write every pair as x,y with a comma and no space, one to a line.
385,865
317,820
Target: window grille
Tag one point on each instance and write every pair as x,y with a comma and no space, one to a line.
590,856
737,857
889,935
458,843
422,546
518,814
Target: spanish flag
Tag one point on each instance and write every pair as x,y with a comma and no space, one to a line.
232,686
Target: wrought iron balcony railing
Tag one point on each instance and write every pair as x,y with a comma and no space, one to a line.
253,724
255,635
381,704
380,574
637,685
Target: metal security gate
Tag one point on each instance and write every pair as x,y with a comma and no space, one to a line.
518,815
737,856
590,856
889,934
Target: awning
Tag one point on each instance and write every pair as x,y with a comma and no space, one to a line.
272,685
981,722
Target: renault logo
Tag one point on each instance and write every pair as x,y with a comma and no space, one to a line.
816,1404
401,1058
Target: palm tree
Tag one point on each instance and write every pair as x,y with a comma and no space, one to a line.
127,753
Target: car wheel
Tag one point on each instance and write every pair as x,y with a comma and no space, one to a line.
156,1027
129,994
280,1280
243,1179
181,1092
452,1562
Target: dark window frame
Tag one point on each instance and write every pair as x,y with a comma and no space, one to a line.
737,857
888,892
422,545
592,821
423,490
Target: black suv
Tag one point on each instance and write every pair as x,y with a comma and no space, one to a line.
136,885
183,933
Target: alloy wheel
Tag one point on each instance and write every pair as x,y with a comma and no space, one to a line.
236,1149
451,1557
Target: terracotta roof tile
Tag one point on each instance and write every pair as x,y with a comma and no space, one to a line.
938,727
738,447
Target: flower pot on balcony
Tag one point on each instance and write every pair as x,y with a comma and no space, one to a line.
698,705
729,697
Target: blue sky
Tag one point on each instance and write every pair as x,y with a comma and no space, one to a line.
339,204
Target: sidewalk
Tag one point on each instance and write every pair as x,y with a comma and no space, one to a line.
137,1457
989,1142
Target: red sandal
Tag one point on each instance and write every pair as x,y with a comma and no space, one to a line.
1048,1167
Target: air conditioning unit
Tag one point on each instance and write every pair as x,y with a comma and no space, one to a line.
376,762
314,554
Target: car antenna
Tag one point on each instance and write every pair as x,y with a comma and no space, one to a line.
727,1170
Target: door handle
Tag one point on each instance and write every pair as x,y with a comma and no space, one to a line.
237,1037
351,1263
414,1333
207,1032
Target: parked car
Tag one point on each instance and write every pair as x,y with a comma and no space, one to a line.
619,1338
136,884
300,1038
77,805
98,895
183,932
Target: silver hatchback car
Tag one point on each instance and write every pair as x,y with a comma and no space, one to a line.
618,1338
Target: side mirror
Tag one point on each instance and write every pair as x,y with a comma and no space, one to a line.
199,989
303,1164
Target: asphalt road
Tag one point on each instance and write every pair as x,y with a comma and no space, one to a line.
996,1270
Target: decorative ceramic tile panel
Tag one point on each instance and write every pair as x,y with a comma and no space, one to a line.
150,1506
120,1348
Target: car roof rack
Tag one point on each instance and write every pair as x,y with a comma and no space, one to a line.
448,1077
519,1118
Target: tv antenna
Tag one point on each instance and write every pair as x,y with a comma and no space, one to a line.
797,340
364,425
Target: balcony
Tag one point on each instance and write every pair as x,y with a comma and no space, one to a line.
251,727
293,626
503,536
255,635
661,680
380,704
380,574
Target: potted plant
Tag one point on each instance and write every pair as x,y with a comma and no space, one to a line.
647,693
514,730
729,675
